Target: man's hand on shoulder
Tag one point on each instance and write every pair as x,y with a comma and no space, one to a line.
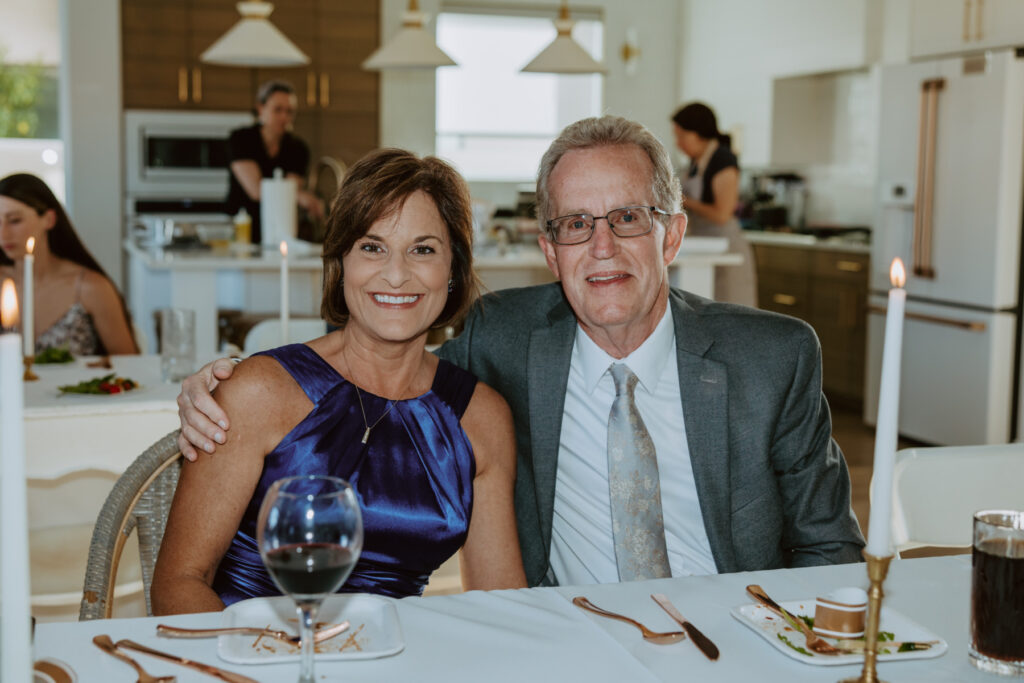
203,422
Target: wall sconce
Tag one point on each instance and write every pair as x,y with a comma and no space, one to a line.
630,51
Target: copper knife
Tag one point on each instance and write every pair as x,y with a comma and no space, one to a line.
702,642
229,676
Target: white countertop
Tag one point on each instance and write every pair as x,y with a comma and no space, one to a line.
301,256
695,250
792,239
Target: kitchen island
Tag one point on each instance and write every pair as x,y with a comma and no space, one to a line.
207,279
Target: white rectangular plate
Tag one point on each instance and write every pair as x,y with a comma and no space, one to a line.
374,630
769,625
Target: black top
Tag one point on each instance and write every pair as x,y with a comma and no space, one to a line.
247,144
721,159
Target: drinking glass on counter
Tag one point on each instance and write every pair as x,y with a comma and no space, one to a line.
997,592
177,343
310,534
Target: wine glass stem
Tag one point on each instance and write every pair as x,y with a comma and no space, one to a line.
307,615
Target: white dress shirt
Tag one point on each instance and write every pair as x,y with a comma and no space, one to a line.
582,550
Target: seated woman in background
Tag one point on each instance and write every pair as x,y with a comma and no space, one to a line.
77,307
429,449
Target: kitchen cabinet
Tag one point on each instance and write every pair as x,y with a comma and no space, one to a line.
338,101
828,289
944,27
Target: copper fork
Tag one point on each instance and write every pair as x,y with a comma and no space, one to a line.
104,643
814,641
319,637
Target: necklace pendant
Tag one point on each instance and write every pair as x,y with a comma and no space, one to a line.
366,435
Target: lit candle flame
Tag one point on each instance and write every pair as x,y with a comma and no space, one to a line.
284,248
897,273
30,245
8,305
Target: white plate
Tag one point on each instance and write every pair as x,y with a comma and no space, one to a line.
769,625
374,631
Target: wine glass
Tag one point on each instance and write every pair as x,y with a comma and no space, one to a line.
310,534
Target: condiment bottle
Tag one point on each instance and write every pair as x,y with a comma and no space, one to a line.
243,226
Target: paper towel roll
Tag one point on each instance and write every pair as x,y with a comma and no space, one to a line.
278,209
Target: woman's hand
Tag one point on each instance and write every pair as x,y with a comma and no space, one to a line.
203,421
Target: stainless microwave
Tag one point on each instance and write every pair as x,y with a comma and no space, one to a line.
178,154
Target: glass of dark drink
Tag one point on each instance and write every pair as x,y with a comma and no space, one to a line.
997,593
310,534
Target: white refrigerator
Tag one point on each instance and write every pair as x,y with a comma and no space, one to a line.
951,153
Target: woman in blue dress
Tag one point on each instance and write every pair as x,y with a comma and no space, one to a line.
429,449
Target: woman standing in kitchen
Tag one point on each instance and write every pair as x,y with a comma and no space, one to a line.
711,193
76,305
255,151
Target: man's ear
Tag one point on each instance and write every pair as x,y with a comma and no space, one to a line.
674,232
548,247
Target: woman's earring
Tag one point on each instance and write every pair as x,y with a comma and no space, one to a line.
451,286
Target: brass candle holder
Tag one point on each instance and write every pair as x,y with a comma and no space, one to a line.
29,376
878,568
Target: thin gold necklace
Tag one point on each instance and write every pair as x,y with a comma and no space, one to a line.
366,434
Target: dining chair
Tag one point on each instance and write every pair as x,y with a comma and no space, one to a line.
937,490
140,501
266,334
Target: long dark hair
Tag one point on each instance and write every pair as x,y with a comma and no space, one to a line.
62,239
700,118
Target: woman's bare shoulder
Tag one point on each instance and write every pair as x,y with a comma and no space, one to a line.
488,424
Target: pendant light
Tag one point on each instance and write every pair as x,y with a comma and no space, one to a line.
254,41
564,55
411,48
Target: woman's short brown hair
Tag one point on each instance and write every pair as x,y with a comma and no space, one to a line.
375,187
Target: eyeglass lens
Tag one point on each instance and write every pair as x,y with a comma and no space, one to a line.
629,221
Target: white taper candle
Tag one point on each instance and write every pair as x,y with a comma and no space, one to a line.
28,326
284,293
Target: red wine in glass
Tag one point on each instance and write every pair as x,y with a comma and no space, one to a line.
310,569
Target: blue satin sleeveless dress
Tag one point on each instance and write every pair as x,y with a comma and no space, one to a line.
413,477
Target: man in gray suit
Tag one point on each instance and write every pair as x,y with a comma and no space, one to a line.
750,476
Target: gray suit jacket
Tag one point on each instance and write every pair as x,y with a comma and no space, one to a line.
773,485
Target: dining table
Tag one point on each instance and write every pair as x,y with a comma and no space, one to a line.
538,634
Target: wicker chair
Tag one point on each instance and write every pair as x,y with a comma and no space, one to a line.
141,499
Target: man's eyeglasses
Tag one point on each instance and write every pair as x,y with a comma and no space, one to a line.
629,221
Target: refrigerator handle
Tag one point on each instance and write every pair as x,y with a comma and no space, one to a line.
927,130
969,325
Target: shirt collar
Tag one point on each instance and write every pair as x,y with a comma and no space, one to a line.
647,362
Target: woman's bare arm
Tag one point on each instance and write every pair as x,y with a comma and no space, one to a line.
101,299
491,557
247,173
726,187
213,493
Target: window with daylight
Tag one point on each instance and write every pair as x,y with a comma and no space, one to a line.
494,122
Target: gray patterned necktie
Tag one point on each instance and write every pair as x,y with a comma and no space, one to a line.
638,528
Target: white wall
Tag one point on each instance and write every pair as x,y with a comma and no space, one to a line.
90,124
26,32
407,103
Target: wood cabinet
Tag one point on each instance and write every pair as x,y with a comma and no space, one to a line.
338,101
944,27
828,289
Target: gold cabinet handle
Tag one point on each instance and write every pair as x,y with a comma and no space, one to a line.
325,90
183,84
969,325
979,10
311,89
849,266
197,84
784,299
967,21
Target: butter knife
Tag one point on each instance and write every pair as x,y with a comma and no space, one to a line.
702,642
228,676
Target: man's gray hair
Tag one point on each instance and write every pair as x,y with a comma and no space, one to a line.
605,131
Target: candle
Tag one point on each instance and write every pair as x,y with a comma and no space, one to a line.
15,624
28,289
284,292
887,429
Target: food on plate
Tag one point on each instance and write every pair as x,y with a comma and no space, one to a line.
108,384
53,354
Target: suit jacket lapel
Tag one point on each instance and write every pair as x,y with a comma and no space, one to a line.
704,389
549,356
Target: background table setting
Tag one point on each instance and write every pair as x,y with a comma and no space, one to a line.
538,634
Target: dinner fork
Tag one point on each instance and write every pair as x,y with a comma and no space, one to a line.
814,641
648,635
319,637
104,643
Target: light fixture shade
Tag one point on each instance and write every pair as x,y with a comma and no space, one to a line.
254,41
564,55
411,48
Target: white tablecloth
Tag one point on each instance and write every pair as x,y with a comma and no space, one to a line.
537,635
